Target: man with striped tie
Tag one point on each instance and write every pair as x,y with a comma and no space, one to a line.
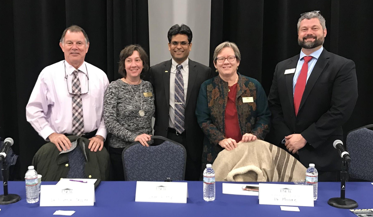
176,84
68,96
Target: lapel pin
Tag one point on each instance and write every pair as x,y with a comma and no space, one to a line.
166,71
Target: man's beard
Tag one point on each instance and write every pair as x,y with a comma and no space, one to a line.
311,44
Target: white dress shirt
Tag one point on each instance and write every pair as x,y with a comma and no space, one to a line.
49,108
185,72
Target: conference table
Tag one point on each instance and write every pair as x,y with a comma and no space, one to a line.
118,199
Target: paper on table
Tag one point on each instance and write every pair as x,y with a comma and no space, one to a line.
362,212
68,181
72,182
64,212
237,189
290,208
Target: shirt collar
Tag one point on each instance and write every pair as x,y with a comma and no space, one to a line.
184,64
70,69
315,54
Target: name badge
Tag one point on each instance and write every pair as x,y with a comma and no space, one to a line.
148,94
247,99
289,71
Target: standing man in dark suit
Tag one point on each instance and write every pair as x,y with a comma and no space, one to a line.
311,101
176,84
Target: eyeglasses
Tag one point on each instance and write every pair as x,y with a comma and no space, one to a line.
230,59
69,89
182,43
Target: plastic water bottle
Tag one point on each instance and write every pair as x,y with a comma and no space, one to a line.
32,189
312,179
208,183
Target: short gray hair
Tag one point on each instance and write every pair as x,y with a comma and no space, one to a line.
74,28
224,45
310,15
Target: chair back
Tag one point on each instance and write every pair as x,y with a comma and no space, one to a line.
154,163
359,144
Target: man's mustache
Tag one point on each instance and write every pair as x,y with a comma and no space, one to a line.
309,36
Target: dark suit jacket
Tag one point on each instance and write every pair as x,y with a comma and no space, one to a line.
327,103
160,78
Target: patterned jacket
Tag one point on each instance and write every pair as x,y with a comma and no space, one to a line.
252,109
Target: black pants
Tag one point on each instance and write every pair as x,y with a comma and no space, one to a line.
116,163
324,176
193,168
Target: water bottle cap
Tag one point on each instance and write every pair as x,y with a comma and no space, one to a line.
30,167
312,165
208,165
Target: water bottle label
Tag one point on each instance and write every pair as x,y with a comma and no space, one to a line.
31,182
311,179
209,179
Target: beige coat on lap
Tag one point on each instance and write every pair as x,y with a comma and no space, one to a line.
258,161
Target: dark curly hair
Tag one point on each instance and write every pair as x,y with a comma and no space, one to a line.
128,51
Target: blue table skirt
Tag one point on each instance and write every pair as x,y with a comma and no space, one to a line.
118,199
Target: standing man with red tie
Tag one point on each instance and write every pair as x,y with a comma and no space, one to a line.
312,95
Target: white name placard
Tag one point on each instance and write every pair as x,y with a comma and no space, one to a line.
161,192
67,195
284,194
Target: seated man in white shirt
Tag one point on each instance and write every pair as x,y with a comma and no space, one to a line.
68,96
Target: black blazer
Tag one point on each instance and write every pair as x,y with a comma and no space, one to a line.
160,78
327,103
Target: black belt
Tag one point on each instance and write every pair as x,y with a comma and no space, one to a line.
85,135
172,130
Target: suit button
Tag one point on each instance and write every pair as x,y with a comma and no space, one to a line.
89,176
66,165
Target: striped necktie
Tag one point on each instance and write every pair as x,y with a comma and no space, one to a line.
179,100
77,113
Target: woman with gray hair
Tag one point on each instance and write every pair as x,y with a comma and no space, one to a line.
231,107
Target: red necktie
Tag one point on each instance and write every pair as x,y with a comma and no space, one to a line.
301,84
